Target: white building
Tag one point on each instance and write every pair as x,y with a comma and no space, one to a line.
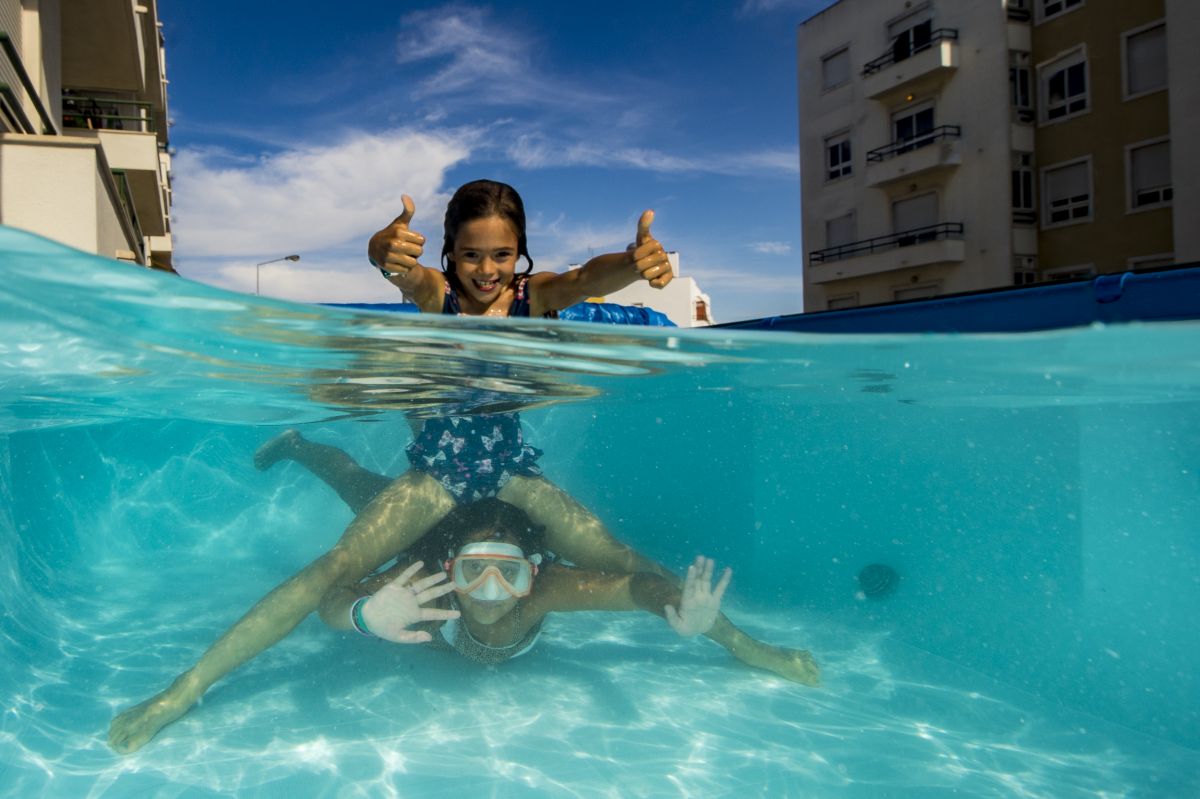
83,126
681,299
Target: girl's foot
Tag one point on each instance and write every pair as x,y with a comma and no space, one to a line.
797,665
281,447
134,728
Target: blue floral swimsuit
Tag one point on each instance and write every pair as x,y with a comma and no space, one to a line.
473,457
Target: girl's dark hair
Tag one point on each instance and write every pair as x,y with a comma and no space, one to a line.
477,200
502,521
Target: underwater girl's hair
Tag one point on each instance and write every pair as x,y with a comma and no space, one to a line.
477,200
502,522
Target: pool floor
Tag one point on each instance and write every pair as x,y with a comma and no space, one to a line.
607,705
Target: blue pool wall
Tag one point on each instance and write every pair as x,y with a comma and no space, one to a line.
1157,295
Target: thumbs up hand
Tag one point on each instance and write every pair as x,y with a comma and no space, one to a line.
395,249
648,256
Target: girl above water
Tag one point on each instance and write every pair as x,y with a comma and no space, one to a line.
484,240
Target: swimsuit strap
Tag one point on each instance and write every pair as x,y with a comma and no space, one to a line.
450,304
520,303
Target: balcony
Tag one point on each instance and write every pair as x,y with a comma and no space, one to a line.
1018,10
126,131
923,246
924,153
923,67
103,45
99,112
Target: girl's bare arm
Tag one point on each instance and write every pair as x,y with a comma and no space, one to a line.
395,250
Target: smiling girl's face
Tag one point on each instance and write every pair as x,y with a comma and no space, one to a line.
485,260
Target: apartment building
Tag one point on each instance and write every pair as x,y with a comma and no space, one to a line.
975,144
84,153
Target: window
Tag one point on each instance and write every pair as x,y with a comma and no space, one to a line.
1020,85
1064,91
1145,60
1018,10
1052,8
1149,170
1071,272
913,214
835,69
910,34
912,128
840,230
1151,261
837,156
1024,270
921,292
1067,193
700,311
849,300
1023,207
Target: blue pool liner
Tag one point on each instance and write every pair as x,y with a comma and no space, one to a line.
1160,295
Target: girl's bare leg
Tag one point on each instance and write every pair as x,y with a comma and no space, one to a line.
573,531
354,484
401,514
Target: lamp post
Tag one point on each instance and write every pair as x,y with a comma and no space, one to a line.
258,268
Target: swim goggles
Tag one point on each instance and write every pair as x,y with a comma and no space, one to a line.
492,570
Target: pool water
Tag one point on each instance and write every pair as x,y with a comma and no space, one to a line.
1035,496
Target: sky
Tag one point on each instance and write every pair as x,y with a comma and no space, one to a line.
298,125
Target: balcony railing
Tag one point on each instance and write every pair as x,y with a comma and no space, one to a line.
107,113
14,59
891,56
916,142
905,238
1018,10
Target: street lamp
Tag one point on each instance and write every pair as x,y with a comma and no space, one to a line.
258,268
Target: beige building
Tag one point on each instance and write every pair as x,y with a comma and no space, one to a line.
681,300
83,126
975,144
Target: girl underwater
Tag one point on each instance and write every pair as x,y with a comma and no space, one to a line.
500,586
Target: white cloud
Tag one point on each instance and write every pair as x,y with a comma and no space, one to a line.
771,247
322,278
557,243
313,196
536,151
490,63
754,7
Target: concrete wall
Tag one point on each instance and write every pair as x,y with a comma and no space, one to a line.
1183,63
1114,234
975,193
59,188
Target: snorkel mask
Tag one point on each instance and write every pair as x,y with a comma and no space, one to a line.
492,571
